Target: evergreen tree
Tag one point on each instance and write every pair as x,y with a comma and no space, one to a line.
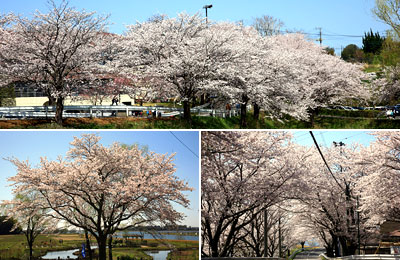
372,42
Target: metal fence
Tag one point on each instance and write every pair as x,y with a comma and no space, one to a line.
108,111
364,257
242,258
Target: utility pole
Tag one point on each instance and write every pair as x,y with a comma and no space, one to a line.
280,235
358,227
320,36
265,233
204,97
207,7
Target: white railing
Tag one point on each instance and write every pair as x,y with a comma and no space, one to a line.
242,258
106,111
364,257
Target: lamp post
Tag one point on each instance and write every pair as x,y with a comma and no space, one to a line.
207,7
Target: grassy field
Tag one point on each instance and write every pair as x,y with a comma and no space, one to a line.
15,247
327,119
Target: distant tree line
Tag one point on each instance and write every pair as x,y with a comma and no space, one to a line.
373,46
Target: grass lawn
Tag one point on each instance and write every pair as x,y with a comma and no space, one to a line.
181,249
372,68
15,247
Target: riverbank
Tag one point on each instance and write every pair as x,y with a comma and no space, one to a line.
15,246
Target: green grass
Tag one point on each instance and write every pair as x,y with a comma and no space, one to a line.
327,119
182,249
15,247
372,68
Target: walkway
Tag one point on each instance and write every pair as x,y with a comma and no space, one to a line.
310,254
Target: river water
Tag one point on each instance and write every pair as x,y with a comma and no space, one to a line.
157,255
62,254
161,235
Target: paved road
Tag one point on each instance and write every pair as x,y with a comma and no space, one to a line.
310,254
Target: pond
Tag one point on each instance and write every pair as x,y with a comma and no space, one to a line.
158,255
68,254
62,254
65,254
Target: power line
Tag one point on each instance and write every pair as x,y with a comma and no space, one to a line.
323,158
351,136
187,147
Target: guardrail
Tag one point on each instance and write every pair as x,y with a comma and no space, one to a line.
365,257
107,111
250,258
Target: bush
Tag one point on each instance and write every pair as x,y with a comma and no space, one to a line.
153,244
7,96
131,243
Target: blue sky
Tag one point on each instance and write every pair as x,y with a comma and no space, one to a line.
31,145
339,17
327,137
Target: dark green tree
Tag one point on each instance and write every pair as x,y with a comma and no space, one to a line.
372,42
6,226
7,96
352,53
330,51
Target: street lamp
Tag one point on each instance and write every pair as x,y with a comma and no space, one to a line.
207,7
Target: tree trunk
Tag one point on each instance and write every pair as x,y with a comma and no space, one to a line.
186,112
347,248
30,250
329,251
59,110
256,114
336,246
102,242
52,100
214,249
30,238
202,99
313,113
89,248
110,247
243,113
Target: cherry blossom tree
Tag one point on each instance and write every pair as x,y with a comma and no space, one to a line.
284,75
172,49
105,189
316,79
183,53
57,51
379,187
250,241
328,203
386,89
243,173
34,220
